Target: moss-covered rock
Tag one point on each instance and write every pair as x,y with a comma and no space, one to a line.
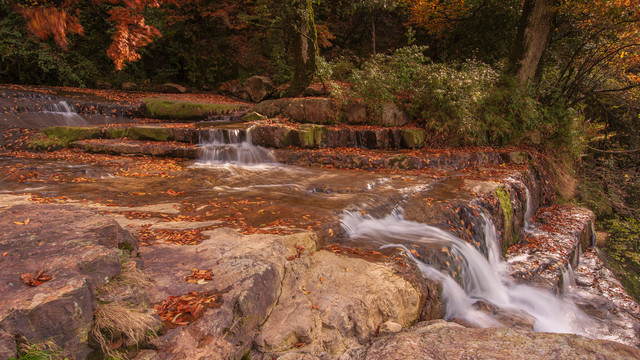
185,110
312,136
507,211
253,116
61,136
414,138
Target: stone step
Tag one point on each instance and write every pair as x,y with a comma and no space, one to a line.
136,147
558,237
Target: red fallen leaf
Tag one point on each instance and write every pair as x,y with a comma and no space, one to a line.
300,344
33,281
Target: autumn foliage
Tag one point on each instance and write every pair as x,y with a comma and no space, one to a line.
57,19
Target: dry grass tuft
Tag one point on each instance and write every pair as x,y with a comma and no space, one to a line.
117,325
130,275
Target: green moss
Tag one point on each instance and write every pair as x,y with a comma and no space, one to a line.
150,133
117,133
58,137
311,135
184,110
414,138
507,212
253,116
399,162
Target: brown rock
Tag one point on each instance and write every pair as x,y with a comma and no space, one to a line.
129,86
311,110
248,276
173,88
332,303
77,248
258,88
8,347
443,340
356,113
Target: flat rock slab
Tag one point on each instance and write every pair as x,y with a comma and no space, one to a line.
77,248
444,340
132,147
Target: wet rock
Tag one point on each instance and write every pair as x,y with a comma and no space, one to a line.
8,348
258,87
248,271
330,303
443,340
162,108
275,136
393,116
77,248
312,136
132,147
598,293
513,319
559,235
173,88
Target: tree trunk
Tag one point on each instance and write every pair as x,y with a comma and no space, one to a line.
304,45
373,34
531,39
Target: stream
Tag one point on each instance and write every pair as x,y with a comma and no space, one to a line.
237,184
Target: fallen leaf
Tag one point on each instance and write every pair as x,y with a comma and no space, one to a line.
18,223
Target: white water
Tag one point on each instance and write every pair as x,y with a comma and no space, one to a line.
224,146
480,279
528,211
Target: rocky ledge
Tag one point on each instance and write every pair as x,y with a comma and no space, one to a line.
53,258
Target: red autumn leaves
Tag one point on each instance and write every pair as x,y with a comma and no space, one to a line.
35,280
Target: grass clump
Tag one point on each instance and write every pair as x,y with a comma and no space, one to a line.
46,350
129,275
117,326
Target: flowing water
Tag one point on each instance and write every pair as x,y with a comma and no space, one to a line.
222,146
478,279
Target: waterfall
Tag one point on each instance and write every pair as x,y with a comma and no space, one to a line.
528,211
476,279
220,146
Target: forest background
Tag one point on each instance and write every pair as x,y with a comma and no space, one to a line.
561,76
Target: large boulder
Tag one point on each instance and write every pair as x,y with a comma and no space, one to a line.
393,116
247,273
445,340
258,87
77,249
331,303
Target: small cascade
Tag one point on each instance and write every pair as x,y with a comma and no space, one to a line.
528,211
473,278
221,146
568,279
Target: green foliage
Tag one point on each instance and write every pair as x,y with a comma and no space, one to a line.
46,350
623,251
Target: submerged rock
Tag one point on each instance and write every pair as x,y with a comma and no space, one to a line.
444,340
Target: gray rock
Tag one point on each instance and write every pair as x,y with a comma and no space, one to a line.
258,88
393,116
444,340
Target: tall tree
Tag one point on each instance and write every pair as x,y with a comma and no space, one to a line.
532,39
299,22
